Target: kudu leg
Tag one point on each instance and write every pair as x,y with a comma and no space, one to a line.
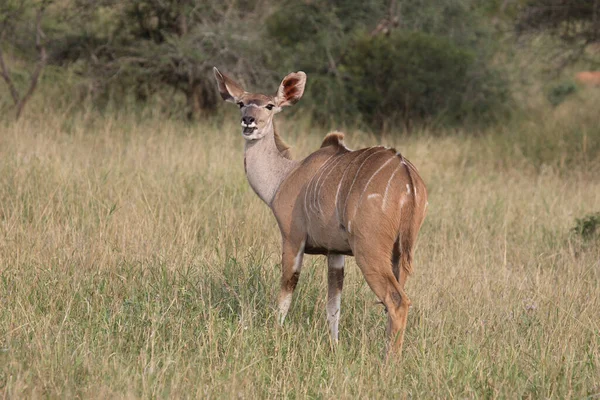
396,262
397,317
400,262
377,270
291,264
335,282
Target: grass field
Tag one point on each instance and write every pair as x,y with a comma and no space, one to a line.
136,262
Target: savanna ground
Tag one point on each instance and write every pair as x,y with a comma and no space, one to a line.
135,261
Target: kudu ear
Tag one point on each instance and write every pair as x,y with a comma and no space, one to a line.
291,89
229,89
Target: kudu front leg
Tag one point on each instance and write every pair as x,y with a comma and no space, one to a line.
335,282
291,264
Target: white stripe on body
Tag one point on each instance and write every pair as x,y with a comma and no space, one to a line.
387,188
315,191
367,185
305,201
318,189
409,166
354,180
309,188
337,193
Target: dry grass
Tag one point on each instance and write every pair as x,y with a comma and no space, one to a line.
137,262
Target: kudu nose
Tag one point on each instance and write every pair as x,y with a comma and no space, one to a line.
247,120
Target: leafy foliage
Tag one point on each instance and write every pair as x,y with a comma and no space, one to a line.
391,64
569,20
575,23
10,14
559,92
314,37
588,227
150,44
413,76
435,57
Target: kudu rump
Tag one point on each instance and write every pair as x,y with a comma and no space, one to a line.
369,203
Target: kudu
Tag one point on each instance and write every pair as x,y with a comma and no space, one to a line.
369,203
588,78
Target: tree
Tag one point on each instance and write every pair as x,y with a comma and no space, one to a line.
150,45
576,23
386,62
10,14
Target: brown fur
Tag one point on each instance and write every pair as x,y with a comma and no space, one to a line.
369,203
333,139
334,213
589,78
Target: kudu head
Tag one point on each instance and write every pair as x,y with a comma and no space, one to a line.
258,109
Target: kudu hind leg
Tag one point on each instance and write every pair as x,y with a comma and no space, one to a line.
378,273
396,260
397,317
335,282
291,264
402,261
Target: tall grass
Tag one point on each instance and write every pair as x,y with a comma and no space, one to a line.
137,262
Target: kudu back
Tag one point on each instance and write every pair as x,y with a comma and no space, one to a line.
368,203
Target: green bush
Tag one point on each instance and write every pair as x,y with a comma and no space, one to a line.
431,64
587,227
413,77
559,92
374,61
313,37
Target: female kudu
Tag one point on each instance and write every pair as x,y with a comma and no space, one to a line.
369,203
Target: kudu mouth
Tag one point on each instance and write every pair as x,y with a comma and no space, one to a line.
248,129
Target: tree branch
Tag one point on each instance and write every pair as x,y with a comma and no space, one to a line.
6,74
41,48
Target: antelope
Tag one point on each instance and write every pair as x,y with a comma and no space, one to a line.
368,203
588,78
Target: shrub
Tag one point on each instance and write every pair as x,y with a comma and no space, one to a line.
427,65
418,77
313,37
559,92
588,227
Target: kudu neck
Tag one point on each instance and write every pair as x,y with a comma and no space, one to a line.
266,168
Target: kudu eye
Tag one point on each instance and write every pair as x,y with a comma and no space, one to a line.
270,106
241,104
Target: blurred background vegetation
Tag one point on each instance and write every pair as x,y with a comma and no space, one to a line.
386,65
